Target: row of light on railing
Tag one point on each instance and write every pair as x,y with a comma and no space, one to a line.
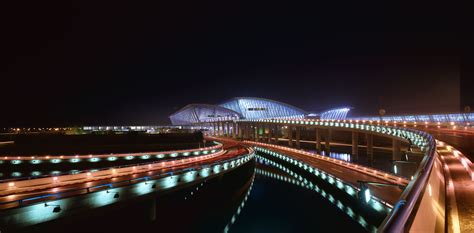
348,188
109,158
394,123
115,194
418,138
360,168
241,206
304,183
127,156
136,169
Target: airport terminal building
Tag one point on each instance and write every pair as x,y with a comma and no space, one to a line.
247,108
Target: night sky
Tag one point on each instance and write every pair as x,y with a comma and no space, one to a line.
111,62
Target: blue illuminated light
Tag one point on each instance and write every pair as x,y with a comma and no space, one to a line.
35,161
367,195
94,160
75,160
16,161
55,160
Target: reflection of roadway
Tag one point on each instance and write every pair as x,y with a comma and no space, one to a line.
389,194
308,185
233,150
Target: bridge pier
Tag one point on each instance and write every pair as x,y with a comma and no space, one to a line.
327,142
396,150
245,131
290,136
227,129
239,131
277,132
256,128
370,148
234,130
251,132
298,137
220,128
355,145
318,140
224,129
264,133
269,138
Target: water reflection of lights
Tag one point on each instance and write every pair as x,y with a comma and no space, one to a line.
376,203
302,182
241,206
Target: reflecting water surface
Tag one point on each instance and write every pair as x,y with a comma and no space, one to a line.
266,195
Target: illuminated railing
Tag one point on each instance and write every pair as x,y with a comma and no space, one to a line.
464,118
21,185
406,208
37,209
110,157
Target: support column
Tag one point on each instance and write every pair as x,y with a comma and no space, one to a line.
249,132
327,141
290,136
298,137
318,140
234,130
355,145
226,129
255,129
370,148
270,135
239,130
396,151
276,133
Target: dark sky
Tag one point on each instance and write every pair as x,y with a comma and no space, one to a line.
113,62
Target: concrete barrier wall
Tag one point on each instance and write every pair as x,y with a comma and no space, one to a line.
48,182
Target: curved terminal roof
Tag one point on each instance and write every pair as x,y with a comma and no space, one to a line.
248,108
254,108
335,114
196,113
